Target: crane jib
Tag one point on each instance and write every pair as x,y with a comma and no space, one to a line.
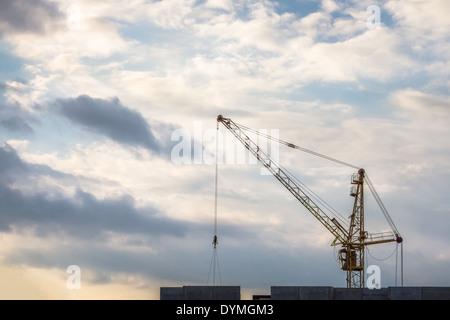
353,241
337,230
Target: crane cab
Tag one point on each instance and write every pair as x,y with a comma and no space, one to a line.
348,260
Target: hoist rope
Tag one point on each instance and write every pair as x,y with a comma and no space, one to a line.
212,266
215,257
216,185
396,268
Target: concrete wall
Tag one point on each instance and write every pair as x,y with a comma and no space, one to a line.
435,293
201,293
301,293
171,293
307,293
330,293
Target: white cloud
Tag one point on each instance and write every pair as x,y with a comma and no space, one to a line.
219,4
329,5
96,38
263,29
29,94
171,14
421,20
422,106
371,55
19,145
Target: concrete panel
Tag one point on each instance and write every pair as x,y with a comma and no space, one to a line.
307,293
301,293
348,294
375,294
316,293
284,293
171,293
197,293
212,293
226,293
435,293
405,293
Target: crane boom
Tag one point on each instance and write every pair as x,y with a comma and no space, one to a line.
356,238
287,180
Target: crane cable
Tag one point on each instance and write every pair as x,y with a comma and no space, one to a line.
215,257
311,193
381,205
215,187
369,183
291,145
317,198
383,259
366,178
307,190
396,260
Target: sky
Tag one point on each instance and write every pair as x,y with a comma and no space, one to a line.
107,141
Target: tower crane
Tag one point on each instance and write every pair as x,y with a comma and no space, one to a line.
352,240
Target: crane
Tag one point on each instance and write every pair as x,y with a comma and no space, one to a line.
353,239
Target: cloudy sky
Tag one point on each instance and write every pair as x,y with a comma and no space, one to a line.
96,97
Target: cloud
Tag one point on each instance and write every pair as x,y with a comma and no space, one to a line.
329,5
82,216
420,105
14,119
111,119
24,16
171,14
27,94
41,33
106,237
423,26
219,4
16,124
421,20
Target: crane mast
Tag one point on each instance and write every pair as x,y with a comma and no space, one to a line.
352,254
353,240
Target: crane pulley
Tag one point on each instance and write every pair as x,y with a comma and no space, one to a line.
354,238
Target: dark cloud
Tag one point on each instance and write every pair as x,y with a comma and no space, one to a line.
250,264
112,119
15,119
82,216
16,124
82,227
10,165
93,222
23,16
